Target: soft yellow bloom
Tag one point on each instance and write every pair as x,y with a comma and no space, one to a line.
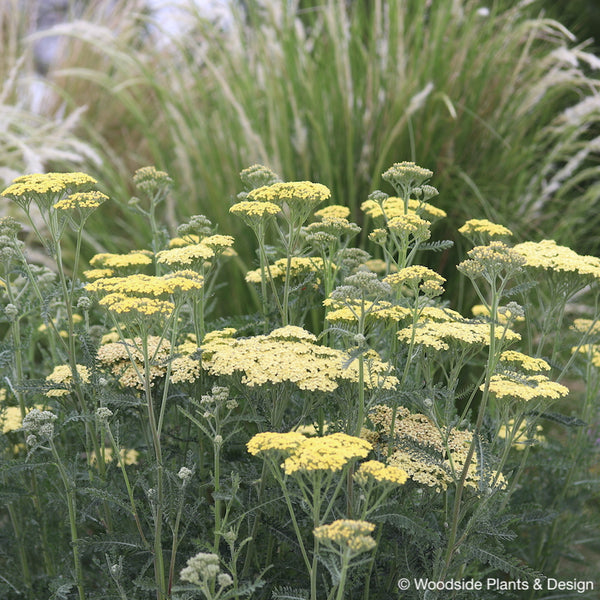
185,369
333,211
381,472
406,174
142,307
46,183
114,261
185,255
410,224
299,265
548,255
591,350
63,375
328,453
430,454
503,315
126,361
528,363
280,442
218,242
484,227
351,535
148,285
296,194
92,274
178,242
412,277
350,311
81,200
525,387
255,209
492,259
126,456
289,355
439,336
521,438
394,207
588,326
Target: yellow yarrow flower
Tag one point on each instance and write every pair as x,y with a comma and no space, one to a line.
299,265
521,438
394,207
296,194
335,211
291,358
81,200
528,363
406,174
503,315
410,224
525,387
328,453
351,535
484,227
412,277
439,335
107,260
431,455
148,285
11,417
126,456
137,307
548,255
185,369
380,472
591,350
587,326
280,442
185,255
46,183
63,375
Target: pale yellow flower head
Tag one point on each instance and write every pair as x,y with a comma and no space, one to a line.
279,442
516,386
378,471
296,194
328,453
335,211
549,256
45,188
353,536
136,258
63,376
81,200
482,228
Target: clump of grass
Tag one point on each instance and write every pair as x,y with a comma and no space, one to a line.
334,93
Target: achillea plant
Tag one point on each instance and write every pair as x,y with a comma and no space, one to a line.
291,452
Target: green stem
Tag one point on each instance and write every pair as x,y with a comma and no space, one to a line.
343,575
159,567
72,508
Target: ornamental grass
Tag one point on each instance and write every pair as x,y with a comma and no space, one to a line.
349,431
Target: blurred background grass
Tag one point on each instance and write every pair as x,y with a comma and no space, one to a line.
502,103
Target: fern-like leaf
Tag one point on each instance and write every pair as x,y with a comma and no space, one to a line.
438,246
289,593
